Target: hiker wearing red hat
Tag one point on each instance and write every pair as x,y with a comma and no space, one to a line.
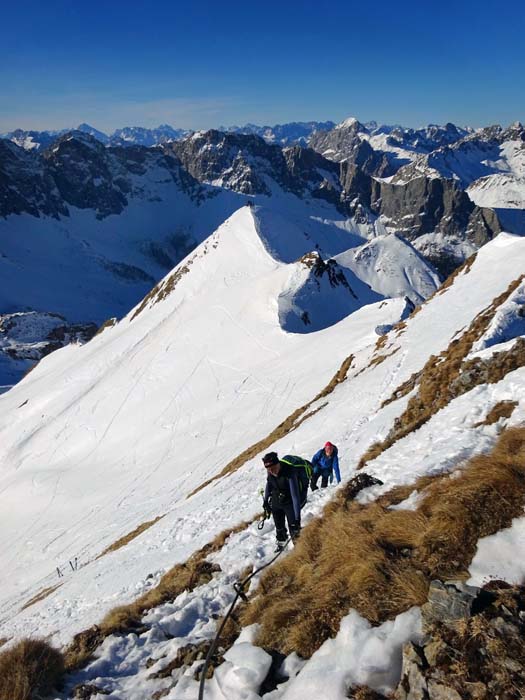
325,463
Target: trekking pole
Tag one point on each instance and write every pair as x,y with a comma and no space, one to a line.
238,587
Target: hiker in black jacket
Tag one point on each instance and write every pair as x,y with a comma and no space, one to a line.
285,495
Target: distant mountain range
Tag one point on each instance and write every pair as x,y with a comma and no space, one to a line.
89,223
282,134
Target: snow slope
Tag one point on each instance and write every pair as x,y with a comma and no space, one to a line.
391,267
101,267
212,351
100,438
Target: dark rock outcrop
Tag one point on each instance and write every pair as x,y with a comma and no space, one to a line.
472,647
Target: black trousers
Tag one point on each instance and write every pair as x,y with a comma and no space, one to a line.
281,514
324,474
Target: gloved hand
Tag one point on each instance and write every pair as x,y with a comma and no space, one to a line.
295,531
267,506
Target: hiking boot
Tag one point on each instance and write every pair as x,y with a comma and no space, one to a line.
279,547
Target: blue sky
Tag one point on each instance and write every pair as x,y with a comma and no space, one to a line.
205,64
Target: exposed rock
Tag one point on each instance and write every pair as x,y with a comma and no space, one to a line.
84,691
473,645
186,656
447,604
358,483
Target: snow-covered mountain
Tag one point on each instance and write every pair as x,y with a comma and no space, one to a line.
32,140
189,390
382,149
107,222
487,163
486,152
126,136
292,133
283,134
139,136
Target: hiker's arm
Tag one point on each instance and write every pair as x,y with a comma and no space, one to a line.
296,500
335,466
267,492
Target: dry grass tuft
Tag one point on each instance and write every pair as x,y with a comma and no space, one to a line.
123,541
291,423
363,693
463,269
447,376
403,389
378,359
30,669
381,561
109,323
40,596
503,409
123,619
165,287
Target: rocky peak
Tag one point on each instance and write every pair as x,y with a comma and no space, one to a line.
351,124
74,143
88,129
515,132
235,161
345,144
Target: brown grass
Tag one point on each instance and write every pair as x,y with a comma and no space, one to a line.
378,359
109,323
381,561
403,389
123,541
40,596
363,693
291,423
503,409
30,669
447,376
128,618
165,287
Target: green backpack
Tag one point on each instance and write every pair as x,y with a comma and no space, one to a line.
304,472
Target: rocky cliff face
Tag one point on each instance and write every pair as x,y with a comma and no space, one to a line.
420,210
78,171
248,164
460,185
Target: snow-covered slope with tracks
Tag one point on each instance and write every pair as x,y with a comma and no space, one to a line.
101,438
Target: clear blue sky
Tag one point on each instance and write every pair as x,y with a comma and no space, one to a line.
203,64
